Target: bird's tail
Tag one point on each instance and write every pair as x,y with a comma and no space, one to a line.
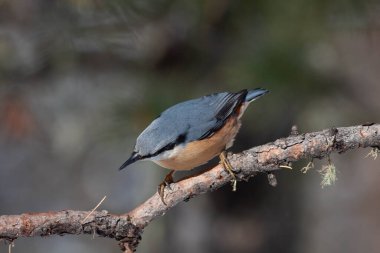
255,94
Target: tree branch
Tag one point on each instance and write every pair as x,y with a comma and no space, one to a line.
127,228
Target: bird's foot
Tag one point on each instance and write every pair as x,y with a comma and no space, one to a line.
166,183
227,165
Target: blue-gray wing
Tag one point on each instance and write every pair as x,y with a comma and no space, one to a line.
188,121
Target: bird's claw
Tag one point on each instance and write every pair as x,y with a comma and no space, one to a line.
166,183
227,165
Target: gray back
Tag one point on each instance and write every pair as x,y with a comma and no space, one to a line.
188,121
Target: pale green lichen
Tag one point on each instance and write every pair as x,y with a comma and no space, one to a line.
328,173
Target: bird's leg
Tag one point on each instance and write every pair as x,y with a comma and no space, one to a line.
227,165
167,181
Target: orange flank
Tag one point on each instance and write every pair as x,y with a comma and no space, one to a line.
200,152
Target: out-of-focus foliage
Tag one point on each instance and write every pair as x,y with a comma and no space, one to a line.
79,79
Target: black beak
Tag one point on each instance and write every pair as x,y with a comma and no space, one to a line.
134,157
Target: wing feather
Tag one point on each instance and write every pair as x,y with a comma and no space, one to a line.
191,120
229,104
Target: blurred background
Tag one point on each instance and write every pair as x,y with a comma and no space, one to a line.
80,79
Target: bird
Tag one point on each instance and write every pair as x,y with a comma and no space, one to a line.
193,132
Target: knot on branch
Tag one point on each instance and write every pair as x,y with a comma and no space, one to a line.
120,228
129,236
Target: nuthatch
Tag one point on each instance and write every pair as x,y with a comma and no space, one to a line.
193,132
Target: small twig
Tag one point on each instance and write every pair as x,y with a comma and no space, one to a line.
93,210
309,166
373,153
294,131
285,167
10,246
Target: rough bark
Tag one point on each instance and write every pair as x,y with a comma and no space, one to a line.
127,228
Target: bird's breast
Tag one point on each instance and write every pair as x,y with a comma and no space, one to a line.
199,152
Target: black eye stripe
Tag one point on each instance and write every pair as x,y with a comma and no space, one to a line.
180,139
